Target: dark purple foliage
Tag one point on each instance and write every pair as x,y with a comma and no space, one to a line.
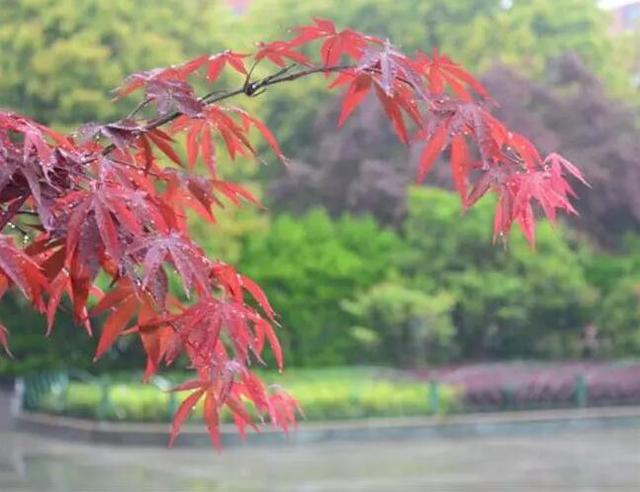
571,112
362,169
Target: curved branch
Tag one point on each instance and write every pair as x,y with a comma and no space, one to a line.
248,89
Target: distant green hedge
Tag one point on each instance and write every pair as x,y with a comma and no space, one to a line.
323,395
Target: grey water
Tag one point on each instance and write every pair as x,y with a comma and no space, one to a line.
585,460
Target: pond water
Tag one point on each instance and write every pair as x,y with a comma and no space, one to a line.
594,461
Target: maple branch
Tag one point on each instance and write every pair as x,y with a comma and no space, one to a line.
21,230
251,88
280,77
248,88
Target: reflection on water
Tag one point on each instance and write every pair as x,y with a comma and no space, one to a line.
583,461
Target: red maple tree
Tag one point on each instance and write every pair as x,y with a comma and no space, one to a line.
111,200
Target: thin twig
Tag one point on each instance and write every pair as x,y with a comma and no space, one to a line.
138,108
216,96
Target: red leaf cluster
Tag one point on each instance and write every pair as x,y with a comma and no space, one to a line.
112,200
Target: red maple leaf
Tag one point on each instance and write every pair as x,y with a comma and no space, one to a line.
219,61
278,52
176,73
440,71
200,131
22,271
188,260
336,44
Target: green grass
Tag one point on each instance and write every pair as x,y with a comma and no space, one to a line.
324,394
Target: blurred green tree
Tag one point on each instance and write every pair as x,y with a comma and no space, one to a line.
308,265
68,349
509,302
60,58
618,320
403,326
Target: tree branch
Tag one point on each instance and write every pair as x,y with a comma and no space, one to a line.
249,89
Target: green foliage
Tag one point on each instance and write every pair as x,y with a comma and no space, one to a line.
527,34
307,266
129,402
60,58
605,271
618,320
403,326
458,296
323,394
68,347
464,296
510,301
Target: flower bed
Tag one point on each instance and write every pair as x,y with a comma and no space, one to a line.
528,385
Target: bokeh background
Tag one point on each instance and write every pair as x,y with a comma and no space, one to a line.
393,303
363,266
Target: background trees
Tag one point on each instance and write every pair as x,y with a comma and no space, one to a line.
309,264
567,108
61,59
100,218
508,302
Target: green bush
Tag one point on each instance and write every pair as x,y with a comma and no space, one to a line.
618,320
616,327
509,301
307,265
349,291
323,395
61,58
403,326
68,346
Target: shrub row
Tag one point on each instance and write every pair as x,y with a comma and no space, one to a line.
329,396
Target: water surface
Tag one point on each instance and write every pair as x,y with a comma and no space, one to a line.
593,460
